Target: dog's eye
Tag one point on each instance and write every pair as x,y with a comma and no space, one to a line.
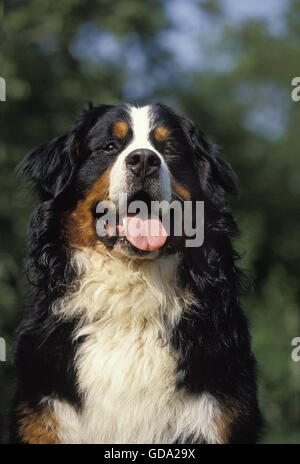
168,150
109,147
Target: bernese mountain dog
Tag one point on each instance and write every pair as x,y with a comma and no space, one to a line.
132,337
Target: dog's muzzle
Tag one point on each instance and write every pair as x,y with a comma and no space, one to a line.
143,163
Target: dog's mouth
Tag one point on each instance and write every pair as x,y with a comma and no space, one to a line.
141,230
144,233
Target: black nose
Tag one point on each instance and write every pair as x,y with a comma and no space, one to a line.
143,163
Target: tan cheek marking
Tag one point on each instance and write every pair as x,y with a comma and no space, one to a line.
225,421
79,227
161,133
37,426
180,190
120,129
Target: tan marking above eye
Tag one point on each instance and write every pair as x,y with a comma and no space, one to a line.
161,133
120,129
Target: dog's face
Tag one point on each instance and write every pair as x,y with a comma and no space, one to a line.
117,155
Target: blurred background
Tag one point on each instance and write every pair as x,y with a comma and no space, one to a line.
228,65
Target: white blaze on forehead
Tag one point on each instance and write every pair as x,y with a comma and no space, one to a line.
141,125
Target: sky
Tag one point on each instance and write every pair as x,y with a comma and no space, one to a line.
193,27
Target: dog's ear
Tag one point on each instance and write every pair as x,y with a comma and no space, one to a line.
51,165
214,171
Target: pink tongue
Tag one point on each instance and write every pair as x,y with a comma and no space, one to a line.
145,234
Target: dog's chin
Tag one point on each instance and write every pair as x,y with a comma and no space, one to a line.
120,247
123,248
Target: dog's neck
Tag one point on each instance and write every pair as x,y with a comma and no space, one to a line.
127,292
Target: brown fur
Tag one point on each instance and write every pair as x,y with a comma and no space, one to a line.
225,421
161,133
180,190
79,226
120,129
37,426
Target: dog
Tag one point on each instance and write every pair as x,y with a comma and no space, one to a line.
132,338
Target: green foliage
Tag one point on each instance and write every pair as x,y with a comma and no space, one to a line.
52,69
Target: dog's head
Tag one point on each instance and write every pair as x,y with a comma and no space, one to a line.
116,156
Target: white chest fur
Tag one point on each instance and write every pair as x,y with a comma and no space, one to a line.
126,368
